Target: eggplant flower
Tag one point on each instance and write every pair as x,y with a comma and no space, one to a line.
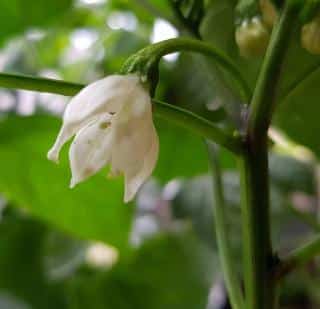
112,123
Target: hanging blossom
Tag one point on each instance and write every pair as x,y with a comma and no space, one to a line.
112,123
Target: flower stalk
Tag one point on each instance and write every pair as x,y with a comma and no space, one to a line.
222,234
147,59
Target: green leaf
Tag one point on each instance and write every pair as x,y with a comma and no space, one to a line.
182,154
17,16
169,272
298,106
21,277
290,175
93,210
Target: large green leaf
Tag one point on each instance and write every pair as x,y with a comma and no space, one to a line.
22,280
298,105
169,272
182,154
92,210
17,16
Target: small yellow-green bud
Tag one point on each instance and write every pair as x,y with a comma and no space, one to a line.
310,36
269,12
252,37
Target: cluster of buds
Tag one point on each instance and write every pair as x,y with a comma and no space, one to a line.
256,18
254,22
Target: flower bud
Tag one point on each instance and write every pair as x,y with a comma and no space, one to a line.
252,37
269,12
310,36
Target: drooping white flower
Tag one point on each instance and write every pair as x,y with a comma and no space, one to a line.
112,123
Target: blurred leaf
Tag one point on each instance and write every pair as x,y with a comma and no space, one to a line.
297,113
17,16
290,175
21,272
298,117
93,210
182,154
169,272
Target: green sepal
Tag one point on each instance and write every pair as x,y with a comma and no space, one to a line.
145,63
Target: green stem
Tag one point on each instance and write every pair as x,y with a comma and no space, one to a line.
156,51
179,116
256,228
222,234
298,258
258,256
198,125
194,31
265,94
13,81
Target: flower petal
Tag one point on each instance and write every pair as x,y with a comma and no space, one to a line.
133,179
91,150
107,95
132,141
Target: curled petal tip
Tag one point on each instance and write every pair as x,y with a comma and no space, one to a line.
73,183
128,196
52,155
127,199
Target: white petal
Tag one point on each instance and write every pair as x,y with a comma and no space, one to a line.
134,180
107,95
132,140
90,150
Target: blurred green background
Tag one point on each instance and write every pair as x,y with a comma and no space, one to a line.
83,248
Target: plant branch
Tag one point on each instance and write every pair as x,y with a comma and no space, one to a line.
265,94
222,234
15,81
179,116
189,26
258,255
298,258
198,125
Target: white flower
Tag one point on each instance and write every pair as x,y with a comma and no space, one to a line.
112,121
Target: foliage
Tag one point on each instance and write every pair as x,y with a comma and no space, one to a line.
177,265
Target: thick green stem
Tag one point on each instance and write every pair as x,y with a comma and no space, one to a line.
265,94
256,228
258,256
298,258
222,234
179,116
